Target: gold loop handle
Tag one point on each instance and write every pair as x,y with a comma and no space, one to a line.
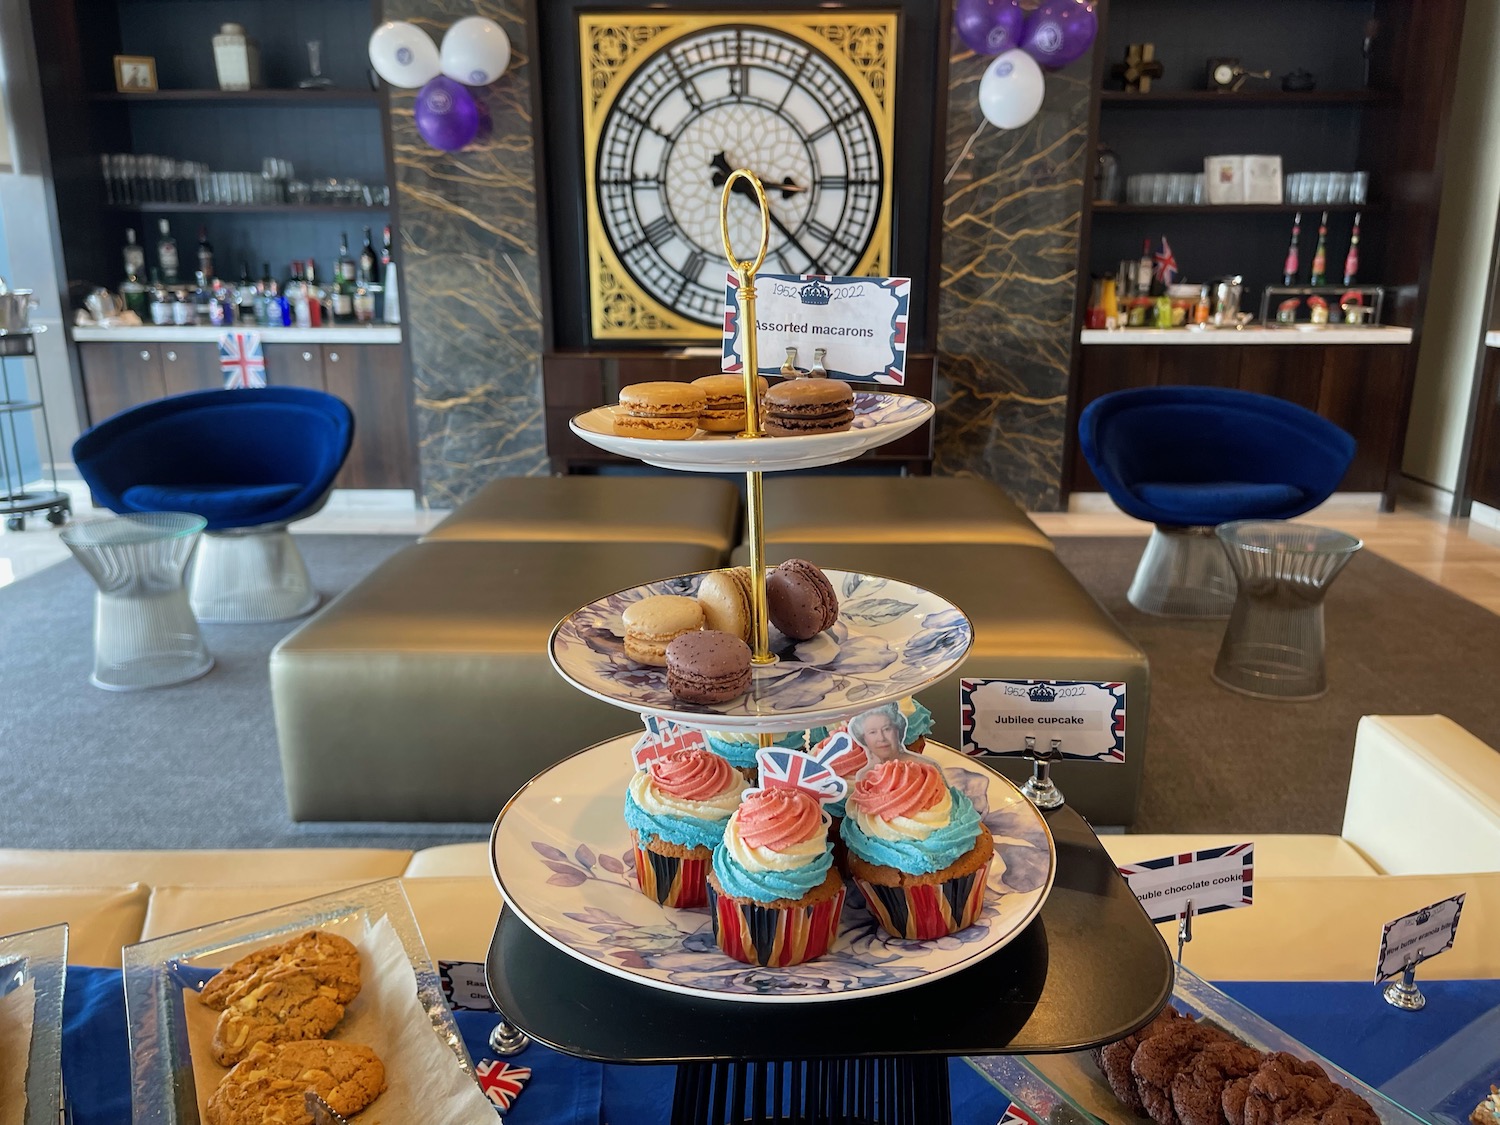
765,222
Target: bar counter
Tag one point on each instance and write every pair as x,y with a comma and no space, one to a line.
209,334
1333,334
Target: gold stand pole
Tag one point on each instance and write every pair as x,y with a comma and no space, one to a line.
760,640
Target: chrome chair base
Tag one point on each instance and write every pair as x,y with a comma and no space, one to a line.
251,576
1184,572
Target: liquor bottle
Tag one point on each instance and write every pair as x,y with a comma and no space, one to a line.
367,263
345,271
166,253
1351,260
1143,271
315,296
1320,255
266,296
205,254
246,297
364,302
135,257
390,286
295,293
1291,267
161,300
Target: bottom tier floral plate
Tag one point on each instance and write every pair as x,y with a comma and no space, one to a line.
561,855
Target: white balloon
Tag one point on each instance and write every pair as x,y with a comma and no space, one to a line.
404,55
476,51
1010,93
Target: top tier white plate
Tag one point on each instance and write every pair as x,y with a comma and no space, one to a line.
878,418
891,640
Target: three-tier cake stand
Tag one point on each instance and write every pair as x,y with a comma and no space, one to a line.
583,962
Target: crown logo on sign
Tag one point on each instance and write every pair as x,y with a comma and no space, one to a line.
816,293
1042,693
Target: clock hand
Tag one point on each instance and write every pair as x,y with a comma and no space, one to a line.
722,171
720,164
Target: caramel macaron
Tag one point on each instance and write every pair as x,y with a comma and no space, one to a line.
725,411
808,406
725,597
651,624
664,411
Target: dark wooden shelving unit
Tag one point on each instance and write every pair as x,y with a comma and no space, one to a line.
1101,208
1282,99
327,97
310,209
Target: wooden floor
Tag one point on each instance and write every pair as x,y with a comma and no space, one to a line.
1459,555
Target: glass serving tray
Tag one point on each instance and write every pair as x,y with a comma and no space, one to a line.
37,959
162,1090
1068,1089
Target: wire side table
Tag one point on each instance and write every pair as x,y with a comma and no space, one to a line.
15,500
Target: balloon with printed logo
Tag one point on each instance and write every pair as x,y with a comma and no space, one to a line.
1060,31
988,27
404,55
1010,93
447,115
476,51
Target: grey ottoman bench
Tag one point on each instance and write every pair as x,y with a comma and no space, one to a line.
1032,620
425,692
635,509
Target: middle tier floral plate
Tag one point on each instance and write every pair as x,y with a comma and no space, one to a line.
879,417
891,639
561,855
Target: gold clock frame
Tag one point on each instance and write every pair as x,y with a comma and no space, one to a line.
862,45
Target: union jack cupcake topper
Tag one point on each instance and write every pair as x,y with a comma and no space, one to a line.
664,737
794,769
840,753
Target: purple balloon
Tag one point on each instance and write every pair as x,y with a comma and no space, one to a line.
447,115
1060,31
989,27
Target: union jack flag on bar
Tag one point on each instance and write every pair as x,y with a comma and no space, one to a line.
840,749
500,1081
793,769
242,360
665,737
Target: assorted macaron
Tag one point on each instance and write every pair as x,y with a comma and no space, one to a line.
664,411
651,625
725,598
800,600
724,412
708,667
797,407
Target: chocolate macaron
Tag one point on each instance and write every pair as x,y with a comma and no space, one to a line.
808,406
800,599
665,411
708,667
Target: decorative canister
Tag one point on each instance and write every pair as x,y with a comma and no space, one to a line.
236,58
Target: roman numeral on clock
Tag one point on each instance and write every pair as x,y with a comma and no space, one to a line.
658,230
692,265
827,236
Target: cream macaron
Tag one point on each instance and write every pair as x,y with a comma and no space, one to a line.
651,624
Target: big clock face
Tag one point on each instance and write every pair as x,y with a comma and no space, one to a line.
777,96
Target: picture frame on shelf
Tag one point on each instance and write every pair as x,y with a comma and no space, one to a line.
135,74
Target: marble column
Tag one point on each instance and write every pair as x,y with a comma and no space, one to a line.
1010,253
471,289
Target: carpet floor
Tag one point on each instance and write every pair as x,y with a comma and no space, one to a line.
193,766
1219,761
196,766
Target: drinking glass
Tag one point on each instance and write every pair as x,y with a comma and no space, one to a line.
1322,187
1359,187
1338,187
1200,189
1160,183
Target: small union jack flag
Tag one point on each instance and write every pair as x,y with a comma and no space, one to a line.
500,1081
242,360
1166,262
665,737
793,769
840,753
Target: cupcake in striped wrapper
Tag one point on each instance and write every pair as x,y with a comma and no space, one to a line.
676,809
917,849
844,756
775,894
740,747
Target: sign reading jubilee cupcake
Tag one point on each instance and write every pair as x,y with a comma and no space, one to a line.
1087,716
851,327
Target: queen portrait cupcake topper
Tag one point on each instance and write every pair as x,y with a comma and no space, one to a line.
794,769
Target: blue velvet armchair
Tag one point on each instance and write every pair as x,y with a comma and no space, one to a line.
247,461
1190,458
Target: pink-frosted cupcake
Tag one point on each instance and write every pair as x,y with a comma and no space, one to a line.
774,891
677,807
917,849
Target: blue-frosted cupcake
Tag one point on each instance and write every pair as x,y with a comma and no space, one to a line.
676,809
740,747
918,724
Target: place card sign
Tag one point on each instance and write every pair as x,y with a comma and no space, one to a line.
464,986
1211,878
859,322
1414,937
1087,715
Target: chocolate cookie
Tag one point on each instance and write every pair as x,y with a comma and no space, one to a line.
270,1084
1114,1058
1285,1087
290,1007
330,959
1161,1058
1198,1091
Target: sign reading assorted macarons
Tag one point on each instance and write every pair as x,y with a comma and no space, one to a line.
859,322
